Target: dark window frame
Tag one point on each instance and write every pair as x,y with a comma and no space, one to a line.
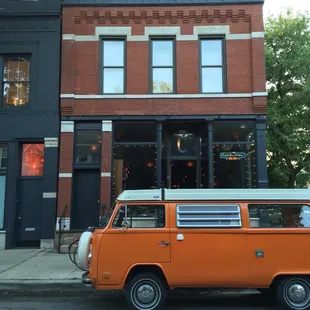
151,67
3,57
138,205
7,150
102,67
223,66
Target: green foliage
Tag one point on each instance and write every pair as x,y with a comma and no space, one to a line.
163,87
287,48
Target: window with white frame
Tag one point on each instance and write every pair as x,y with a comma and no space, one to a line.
211,65
162,60
113,66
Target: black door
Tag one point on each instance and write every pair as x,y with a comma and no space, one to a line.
86,201
29,212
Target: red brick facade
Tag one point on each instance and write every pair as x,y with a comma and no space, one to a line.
245,71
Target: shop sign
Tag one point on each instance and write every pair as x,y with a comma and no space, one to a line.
233,155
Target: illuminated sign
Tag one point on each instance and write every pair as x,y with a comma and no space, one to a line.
233,155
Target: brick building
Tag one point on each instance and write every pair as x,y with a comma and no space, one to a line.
159,94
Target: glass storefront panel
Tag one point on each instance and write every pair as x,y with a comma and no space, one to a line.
135,167
234,131
3,166
88,147
135,132
234,167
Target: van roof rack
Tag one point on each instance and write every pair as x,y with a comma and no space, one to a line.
214,194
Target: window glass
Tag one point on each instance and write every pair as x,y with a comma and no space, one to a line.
234,166
135,132
234,131
32,159
141,216
113,74
279,215
113,53
162,80
3,166
16,81
88,147
212,80
135,167
162,53
113,80
211,53
162,66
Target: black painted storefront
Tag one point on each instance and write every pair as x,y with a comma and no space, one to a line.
29,42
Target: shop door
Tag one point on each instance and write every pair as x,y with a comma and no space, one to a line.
30,196
86,206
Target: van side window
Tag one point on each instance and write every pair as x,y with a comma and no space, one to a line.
208,216
141,216
279,215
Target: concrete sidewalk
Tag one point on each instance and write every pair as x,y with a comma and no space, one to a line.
40,268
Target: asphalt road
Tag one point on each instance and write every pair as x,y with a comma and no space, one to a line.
218,302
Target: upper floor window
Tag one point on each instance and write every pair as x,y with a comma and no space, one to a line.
162,75
15,81
113,66
211,65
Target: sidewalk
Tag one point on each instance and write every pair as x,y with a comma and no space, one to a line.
39,269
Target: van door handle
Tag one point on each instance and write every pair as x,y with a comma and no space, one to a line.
164,243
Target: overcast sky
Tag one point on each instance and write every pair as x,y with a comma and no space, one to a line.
274,6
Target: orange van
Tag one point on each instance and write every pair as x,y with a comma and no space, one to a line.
153,241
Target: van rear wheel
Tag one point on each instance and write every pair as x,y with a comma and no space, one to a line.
145,291
294,293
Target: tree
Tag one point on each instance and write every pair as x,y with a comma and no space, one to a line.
287,48
164,87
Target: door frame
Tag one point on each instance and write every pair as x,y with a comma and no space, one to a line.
20,143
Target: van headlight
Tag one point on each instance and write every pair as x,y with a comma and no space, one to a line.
89,258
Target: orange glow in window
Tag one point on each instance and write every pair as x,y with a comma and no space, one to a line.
33,160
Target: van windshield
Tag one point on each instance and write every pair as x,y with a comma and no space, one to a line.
105,220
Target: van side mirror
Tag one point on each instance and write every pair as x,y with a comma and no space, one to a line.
125,225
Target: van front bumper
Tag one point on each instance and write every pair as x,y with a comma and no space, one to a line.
86,280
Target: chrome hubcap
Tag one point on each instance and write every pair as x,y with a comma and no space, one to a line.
297,294
145,295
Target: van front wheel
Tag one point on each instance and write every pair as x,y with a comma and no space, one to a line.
294,293
145,291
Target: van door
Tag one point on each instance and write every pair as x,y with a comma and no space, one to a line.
209,246
144,239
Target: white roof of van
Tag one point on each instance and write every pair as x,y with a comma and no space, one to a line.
214,194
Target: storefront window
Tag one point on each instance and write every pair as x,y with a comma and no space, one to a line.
135,167
3,165
135,132
33,160
88,147
234,131
234,166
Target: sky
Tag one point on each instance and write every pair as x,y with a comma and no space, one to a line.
274,6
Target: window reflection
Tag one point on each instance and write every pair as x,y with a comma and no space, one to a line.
162,66
16,83
113,66
32,159
88,146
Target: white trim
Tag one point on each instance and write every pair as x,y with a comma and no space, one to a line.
67,126
174,96
67,96
105,174
216,195
50,195
65,175
159,31
50,142
106,126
